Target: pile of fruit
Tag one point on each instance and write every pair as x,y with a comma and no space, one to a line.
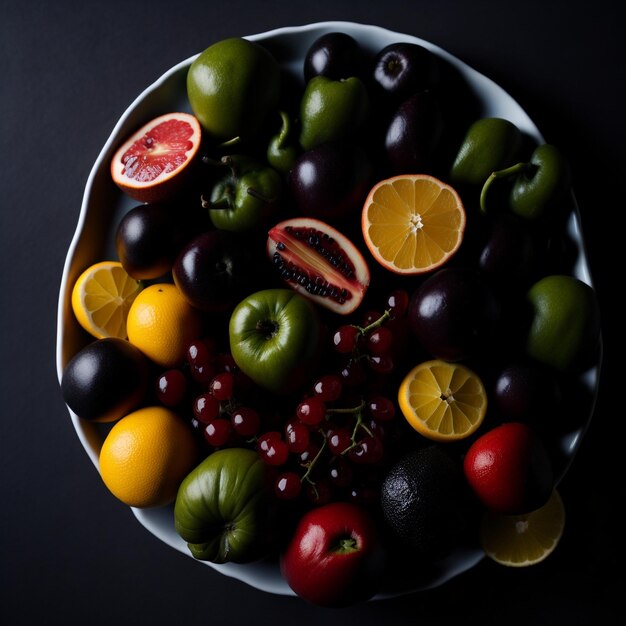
341,329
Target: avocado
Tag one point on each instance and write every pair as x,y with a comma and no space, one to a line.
422,499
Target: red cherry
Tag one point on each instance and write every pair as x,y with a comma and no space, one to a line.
509,470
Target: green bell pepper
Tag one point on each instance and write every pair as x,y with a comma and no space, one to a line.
245,196
331,110
489,144
221,508
538,184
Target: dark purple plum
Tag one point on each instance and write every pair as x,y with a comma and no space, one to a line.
454,314
413,134
331,181
526,392
402,69
335,55
508,253
105,380
213,270
149,237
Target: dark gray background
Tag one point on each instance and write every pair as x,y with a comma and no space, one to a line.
70,553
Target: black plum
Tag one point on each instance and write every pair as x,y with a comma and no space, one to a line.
402,69
213,270
455,314
149,237
508,253
528,392
331,181
335,55
105,380
413,134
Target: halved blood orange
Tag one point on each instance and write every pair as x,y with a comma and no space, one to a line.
413,223
150,164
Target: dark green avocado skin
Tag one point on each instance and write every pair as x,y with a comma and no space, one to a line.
423,502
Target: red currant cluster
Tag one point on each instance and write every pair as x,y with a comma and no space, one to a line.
210,380
322,446
333,443
370,347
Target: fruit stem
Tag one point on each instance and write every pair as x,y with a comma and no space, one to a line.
312,463
259,196
359,424
505,173
224,203
230,142
354,409
284,130
376,323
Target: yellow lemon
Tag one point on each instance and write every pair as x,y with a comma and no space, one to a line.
443,401
101,298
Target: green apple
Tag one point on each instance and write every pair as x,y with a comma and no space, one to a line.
275,338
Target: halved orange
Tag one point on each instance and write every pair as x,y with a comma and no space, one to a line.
413,223
521,540
152,164
443,401
101,298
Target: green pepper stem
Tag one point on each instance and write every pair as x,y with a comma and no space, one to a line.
230,142
259,196
224,203
505,173
284,129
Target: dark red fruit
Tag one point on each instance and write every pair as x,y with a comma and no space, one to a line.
509,470
171,388
319,262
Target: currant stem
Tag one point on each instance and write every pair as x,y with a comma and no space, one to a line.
311,465
375,324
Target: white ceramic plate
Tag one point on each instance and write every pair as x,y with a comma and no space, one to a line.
103,205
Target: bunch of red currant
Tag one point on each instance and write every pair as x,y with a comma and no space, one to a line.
330,443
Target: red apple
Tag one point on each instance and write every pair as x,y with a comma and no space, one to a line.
333,558
509,470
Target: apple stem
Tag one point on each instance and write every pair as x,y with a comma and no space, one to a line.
346,544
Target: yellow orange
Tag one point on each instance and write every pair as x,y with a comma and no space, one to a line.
146,455
413,223
162,324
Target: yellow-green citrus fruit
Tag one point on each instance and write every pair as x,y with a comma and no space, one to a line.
565,323
232,86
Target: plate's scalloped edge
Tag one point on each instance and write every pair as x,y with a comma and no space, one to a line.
155,519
